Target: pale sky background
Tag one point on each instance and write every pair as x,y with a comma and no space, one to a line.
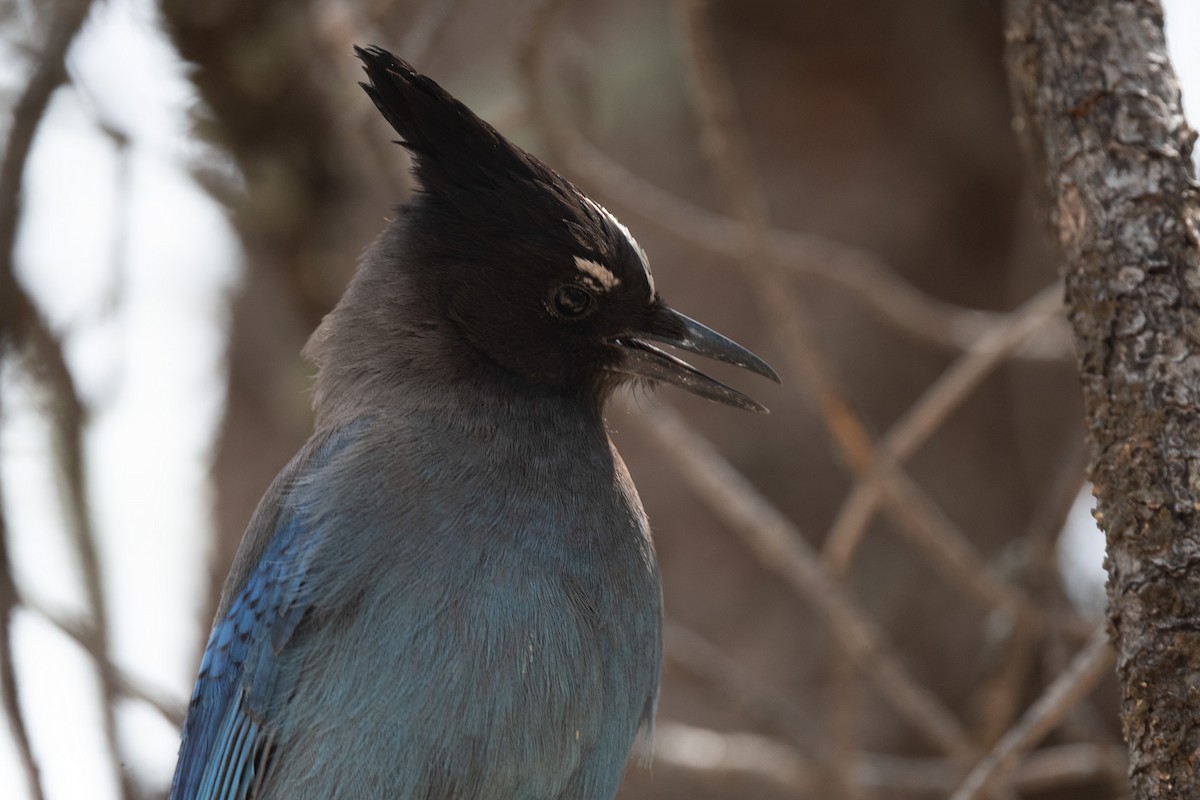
141,300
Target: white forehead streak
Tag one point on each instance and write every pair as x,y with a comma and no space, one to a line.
637,248
601,273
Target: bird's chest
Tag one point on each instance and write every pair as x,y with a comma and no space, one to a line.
579,652
527,676
504,643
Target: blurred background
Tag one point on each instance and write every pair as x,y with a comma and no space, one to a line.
866,590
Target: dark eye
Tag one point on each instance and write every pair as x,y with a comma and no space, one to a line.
572,302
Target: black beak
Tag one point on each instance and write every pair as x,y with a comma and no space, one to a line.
641,359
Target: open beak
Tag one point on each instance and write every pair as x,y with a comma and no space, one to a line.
641,359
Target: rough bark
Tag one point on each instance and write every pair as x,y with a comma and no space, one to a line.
1100,106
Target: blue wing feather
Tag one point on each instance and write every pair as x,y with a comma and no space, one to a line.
226,737
223,742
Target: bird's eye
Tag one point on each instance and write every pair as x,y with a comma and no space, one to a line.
571,301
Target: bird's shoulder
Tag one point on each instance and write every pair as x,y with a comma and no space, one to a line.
223,749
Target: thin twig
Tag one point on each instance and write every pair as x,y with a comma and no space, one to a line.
861,273
718,753
1088,667
728,158
48,74
921,520
844,704
781,549
1049,518
949,391
759,703
925,524
67,416
1000,693
9,695
919,516
170,708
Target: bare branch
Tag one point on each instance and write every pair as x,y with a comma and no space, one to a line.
26,332
721,754
735,754
864,275
1067,690
781,549
8,670
917,513
915,427
170,708
759,703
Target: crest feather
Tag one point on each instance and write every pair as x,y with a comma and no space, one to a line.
450,145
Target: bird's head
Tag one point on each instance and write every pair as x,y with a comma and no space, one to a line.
538,278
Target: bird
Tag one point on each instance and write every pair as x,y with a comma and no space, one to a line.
451,590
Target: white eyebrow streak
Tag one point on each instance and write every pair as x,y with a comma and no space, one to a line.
601,273
637,248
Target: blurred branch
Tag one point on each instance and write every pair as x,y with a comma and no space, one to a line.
1009,654
8,669
781,549
169,708
919,516
845,749
864,275
924,417
26,332
1063,694
687,747
48,74
715,753
1050,517
759,703
728,157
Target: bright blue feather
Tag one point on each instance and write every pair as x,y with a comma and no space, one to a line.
221,741
225,747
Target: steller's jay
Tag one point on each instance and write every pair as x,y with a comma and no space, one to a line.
451,592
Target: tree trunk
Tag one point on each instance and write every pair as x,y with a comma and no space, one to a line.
1099,105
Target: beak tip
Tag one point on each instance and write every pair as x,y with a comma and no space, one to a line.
761,367
756,407
677,330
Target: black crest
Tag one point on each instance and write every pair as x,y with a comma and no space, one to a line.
449,143
535,277
487,198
